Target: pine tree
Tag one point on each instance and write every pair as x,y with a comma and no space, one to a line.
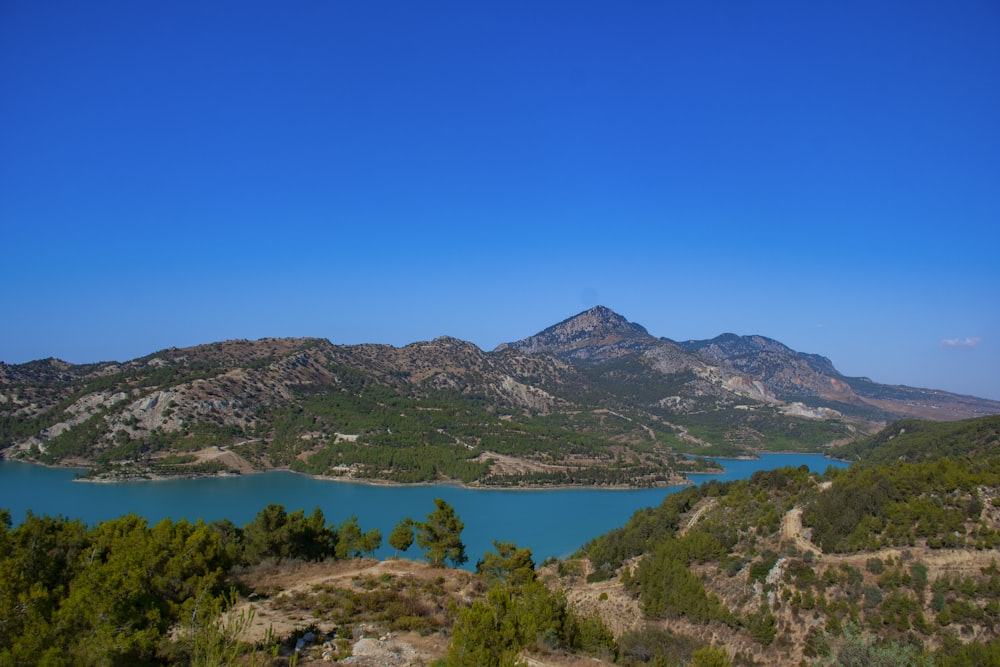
401,537
441,536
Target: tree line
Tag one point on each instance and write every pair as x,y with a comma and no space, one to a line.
115,593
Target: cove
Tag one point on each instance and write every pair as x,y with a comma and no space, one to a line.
550,522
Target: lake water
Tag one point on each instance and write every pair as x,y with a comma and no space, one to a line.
550,522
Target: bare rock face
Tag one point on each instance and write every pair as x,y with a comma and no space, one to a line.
800,410
669,358
744,386
82,410
533,398
595,335
783,371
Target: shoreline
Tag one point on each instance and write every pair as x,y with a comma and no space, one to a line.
682,479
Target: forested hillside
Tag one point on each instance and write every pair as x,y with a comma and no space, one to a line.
898,559
917,440
594,400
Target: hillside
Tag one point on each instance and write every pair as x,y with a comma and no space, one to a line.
881,563
592,400
789,568
914,440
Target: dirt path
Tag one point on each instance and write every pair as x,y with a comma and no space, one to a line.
792,531
940,561
705,506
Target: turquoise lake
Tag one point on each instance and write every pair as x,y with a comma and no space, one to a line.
550,522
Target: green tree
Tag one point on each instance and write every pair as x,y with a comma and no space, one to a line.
352,543
494,630
853,649
507,565
312,537
710,656
267,535
349,539
487,633
972,654
401,537
441,536
762,626
38,560
371,541
113,611
669,589
275,533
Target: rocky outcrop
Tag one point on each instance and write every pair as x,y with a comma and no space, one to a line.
596,335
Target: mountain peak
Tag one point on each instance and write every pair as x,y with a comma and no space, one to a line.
594,335
602,312
601,320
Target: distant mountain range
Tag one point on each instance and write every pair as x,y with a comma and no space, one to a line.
594,399
752,365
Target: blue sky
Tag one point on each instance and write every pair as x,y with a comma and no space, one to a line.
826,174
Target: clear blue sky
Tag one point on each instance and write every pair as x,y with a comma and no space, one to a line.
826,174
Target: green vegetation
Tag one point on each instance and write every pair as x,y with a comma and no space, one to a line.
761,428
401,538
856,583
114,593
619,474
507,565
353,543
105,595
855,649
412,440
277,534
890,607
668,588
520,613
937,503
441,536
493,631
914,440
731,427
124,592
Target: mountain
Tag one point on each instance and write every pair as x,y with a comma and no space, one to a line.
594,399
754,366
593,336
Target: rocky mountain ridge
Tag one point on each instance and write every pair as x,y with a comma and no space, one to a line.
756,365
592,393
593,336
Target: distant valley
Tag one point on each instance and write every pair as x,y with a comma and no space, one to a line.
594,400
